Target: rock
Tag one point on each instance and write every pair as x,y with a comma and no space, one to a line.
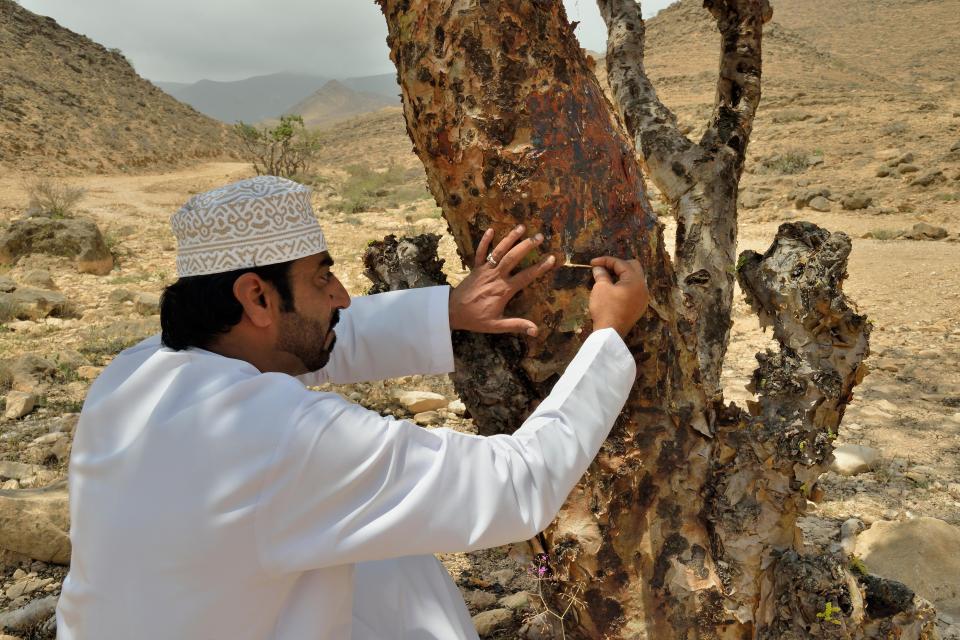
907,168
487,622
751,200
516,601
923,553
856,201
7,285
9,484
36,303
19,404
502,577
36,523
417,401
39,278
146,304
921,474
30,372
18,470
927,179
851,459
119,296
820,204
70,237
887,406
924,231
428,418
33,616
901,159
88,372
457,408
50,445
479,600
848,534
883,172
802,197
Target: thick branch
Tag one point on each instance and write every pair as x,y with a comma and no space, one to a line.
740,23
651,125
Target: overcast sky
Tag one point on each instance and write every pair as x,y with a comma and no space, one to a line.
189,40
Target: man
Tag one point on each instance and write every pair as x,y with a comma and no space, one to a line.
214,496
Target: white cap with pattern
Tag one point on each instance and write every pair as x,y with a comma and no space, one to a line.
251,223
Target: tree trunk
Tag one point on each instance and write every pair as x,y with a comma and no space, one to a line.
684,527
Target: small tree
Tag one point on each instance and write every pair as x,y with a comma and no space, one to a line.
286,150
49,197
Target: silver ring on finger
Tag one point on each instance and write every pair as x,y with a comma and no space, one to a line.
492,261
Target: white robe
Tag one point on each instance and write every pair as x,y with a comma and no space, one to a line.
209,500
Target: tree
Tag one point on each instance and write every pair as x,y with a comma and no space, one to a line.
286,150
685,526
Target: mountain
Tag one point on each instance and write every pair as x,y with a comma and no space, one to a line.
250,100
384,84
336,101
172,87
68,104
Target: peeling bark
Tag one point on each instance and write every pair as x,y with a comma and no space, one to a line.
675,531
698,180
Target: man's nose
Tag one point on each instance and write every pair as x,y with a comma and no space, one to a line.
340,297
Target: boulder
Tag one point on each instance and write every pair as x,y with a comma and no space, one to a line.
36,523
907,168
146,304
856,201
851,459
487,622
19,404
515,601
478,600
903,158
18,470
751,200
819,204
39,278
36,303
802,197
927,179
883,172
7,285
923,553
419,401
69,237
30,373
457,408
924,231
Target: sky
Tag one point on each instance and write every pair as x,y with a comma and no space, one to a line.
190,40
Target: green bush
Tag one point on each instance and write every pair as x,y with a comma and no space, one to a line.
286,150
53,198
366,188
788,162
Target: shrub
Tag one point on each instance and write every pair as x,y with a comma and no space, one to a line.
53,198
286,150
366,187
788,162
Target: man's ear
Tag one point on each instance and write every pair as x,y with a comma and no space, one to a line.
255,297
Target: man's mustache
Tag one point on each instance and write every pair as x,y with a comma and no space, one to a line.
335,318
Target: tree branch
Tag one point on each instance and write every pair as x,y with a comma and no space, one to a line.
651,125
740,23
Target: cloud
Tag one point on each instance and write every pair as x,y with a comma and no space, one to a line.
188,40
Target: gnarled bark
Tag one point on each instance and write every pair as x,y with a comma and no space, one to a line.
671,533
699,180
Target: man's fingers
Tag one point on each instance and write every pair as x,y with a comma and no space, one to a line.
601,275
514,325
618,266
508,241
528,275
516,255
483,247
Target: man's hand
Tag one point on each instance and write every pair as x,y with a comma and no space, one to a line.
477,303
617,304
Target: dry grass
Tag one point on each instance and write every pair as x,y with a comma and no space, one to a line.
53,198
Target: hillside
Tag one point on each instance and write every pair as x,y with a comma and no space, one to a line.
335,101
248,100
69,104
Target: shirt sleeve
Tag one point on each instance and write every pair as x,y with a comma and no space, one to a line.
348,485
388,335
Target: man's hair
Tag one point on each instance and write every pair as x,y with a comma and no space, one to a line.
196,309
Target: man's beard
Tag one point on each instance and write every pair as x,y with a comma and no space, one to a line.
305,339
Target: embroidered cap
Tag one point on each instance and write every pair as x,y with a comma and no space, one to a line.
251,223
